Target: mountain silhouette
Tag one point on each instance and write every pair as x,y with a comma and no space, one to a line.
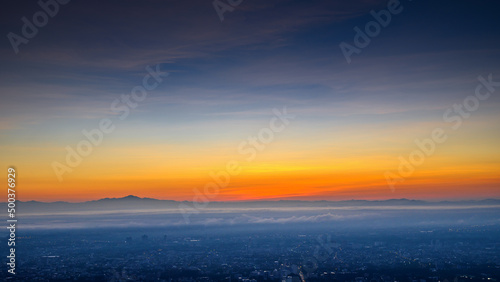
132,202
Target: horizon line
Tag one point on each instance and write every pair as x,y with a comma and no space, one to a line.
264,200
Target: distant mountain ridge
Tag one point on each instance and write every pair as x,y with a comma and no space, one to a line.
132,202
132,198
402,200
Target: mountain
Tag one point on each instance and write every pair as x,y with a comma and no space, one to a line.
132,203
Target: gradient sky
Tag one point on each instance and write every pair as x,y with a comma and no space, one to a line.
352,121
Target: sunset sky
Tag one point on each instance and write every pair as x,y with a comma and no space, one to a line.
352,121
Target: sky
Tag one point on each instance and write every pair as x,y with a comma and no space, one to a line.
324,126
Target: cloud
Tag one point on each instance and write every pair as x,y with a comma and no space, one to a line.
156,218
303,218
